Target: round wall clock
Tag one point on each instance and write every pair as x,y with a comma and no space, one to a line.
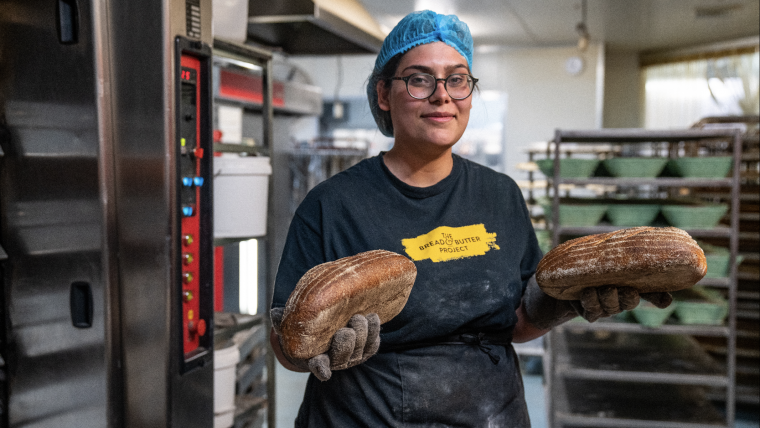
574,65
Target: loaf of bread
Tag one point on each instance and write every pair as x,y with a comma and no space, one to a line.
329,294
649,259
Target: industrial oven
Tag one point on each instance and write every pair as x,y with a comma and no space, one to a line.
105,217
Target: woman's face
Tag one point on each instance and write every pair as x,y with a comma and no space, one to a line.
438,121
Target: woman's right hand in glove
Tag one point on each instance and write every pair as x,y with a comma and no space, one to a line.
351,345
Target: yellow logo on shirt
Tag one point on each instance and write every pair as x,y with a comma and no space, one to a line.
450,243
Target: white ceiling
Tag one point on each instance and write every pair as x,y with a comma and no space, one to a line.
623,25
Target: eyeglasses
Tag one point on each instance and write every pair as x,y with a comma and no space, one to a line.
422,86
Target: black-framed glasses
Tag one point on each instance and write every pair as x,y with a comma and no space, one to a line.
422,86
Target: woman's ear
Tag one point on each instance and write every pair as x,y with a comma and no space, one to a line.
383,96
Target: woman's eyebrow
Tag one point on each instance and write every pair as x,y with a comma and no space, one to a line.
428,70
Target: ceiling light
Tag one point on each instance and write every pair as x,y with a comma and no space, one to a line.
582,30
583,36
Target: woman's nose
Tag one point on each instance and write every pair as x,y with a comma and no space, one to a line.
440,94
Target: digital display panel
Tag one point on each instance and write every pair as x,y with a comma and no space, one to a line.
188,94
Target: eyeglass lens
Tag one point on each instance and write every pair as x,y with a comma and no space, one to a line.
421,85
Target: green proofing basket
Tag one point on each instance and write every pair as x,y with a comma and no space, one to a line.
650,315
569,167
701,167
702,216
632,214
576,214
544,240
700,306
581,214
635,167
718,260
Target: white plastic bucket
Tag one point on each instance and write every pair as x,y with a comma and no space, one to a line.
224,420
241,189
230,19
225,363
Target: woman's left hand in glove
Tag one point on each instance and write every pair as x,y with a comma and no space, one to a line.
545,312
605,301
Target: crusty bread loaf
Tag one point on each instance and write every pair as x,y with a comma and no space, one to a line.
329,294
650,259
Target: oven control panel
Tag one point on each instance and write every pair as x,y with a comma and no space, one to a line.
194,274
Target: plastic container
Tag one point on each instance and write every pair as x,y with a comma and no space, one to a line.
241,190
569,167
224,420
230,19
650,315
575,213
630,215
635,167
544,238
225,363
701,167
700,306
718,260
701,216
581,215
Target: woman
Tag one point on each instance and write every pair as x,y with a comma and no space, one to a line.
446,359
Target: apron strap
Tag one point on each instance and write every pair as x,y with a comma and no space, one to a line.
484,341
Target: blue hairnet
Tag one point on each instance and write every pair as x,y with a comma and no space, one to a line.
417,28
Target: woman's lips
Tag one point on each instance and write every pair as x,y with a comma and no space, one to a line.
438,117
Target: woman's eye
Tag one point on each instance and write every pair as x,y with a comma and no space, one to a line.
418,81
456,80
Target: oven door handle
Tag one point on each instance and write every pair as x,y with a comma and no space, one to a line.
68,21
80,300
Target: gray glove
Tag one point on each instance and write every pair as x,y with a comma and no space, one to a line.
351,345
545,312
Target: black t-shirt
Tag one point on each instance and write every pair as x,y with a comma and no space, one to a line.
469,235
472,242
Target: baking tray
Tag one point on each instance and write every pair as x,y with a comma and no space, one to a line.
608,404
638,358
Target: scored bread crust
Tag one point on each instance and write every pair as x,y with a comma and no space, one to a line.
329,294
649,259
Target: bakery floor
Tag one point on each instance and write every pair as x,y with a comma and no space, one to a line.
290,387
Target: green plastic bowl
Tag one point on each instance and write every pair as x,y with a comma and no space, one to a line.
717,260
650,315
569,167
707,312
632,214
701,167
575,214
635,167
703,216
544,240
699,305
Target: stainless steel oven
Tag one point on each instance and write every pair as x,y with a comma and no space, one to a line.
105,217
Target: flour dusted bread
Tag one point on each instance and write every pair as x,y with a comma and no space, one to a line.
328,295
649,259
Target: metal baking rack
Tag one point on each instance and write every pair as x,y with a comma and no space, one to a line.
590,385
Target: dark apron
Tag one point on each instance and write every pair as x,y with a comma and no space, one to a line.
455,382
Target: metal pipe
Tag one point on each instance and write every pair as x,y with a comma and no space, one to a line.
268,128
732,290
